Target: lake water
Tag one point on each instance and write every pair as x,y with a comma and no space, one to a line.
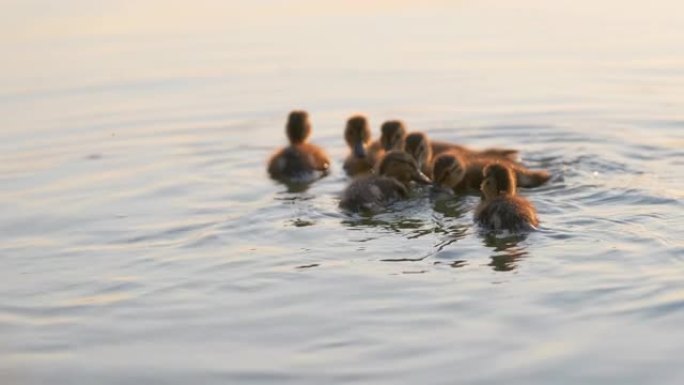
142,241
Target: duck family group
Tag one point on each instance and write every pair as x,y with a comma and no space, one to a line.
384,170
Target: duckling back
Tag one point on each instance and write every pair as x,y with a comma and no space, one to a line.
303,162
512,213
356,166
501,208
475,165
357,135
300,161
439,147
372,193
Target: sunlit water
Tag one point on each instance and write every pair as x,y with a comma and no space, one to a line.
142,242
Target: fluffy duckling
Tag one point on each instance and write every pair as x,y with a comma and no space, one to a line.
500,207
455,163
423,150
449,170
361,158
418,146
300,161
393,135
374,192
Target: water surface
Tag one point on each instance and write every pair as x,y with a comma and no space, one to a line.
142,241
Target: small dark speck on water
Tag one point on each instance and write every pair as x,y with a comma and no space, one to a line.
302,222
417,259
455,264
308,266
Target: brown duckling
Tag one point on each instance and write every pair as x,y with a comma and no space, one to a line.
300,161
423,150
374,192
357,134
500,207
472,167
418,146
449,171
392,135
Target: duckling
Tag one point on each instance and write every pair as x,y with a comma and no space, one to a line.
374,192
422,149
454,162
300,161
449,171
418,146
362,156
500,207
504,153
392,135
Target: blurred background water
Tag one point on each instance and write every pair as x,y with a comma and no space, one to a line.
141,240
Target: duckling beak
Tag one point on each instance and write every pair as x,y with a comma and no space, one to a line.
421,178
359,150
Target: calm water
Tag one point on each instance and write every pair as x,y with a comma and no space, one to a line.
141,240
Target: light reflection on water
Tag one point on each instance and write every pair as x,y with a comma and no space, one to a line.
142,241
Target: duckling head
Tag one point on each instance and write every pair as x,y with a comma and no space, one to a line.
393,135
298,127
357,135
497,180
401,166
448,170
418,146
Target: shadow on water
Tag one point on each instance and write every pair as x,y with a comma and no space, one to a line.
455,264
507,252
452,209
453,233
451,206
295,187
300,183
443,250
300,204
394,223
438,216
397,217
414,218
290,197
